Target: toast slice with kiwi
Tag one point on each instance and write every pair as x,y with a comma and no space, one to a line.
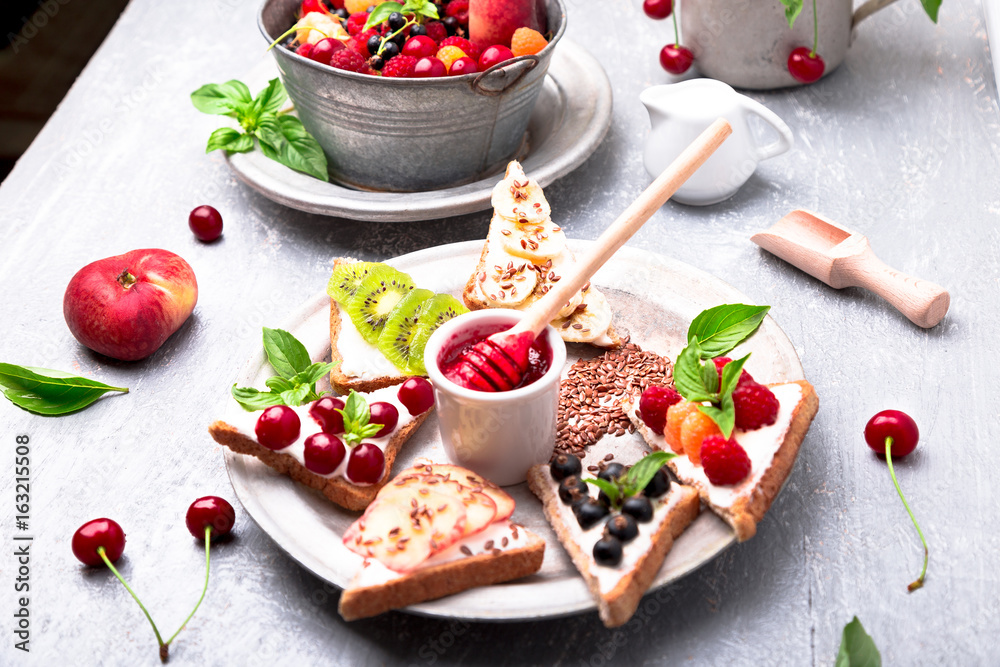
379,323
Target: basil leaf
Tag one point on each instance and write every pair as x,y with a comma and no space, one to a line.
642,472
285,353
688,377
857,649
230,140
50,392
731,375
709,377
381,13
607,487
270,99
251,399
297,395
931,7
313,373
722,328
724,416
221,98
278,384
792,10
420,8
284,140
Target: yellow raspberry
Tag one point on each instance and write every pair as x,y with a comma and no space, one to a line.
696,427
527,42
449,54
676,414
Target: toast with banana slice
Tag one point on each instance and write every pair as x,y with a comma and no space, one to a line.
525,254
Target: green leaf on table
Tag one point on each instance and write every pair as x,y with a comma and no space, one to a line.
269,100
229,140
792,10
381,13
931,7
285,353
722,328
251,399
857,649
222,99
284,139
50,392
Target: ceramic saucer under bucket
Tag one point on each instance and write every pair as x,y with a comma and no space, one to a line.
406,135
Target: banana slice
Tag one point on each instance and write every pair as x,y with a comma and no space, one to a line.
506,285
534,242
519,199
590,320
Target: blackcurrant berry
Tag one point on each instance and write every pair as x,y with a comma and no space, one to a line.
563,466
622,527
572,489
659,485
608,551
376,63
639,508
374,43
390,50
450,24
611,472
589,512
417,30
396,21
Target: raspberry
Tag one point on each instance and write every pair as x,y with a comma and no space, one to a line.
696,427
361,43
400,67
653,405
527,42
356,23
349,60
436,31
676,414
449,54
725,461
756,406
459,9
467,47
720,363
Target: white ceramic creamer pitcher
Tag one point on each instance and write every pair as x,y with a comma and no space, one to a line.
679,112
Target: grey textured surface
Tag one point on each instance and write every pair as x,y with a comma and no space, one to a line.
900,143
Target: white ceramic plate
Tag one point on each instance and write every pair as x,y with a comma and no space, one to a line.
570,119
654,297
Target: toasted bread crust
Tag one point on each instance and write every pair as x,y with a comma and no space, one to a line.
336,489
343,384
445,579
617,606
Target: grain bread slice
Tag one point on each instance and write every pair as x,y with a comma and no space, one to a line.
370,595
744,505
387,376
336,489
617,591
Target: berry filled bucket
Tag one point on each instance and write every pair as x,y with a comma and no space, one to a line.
408,134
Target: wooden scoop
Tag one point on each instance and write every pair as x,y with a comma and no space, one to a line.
498,362
842,258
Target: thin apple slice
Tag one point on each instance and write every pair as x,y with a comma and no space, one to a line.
465,477
480,508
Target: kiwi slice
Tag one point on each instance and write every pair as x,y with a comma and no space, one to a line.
397,337
436,311
379,293
346,280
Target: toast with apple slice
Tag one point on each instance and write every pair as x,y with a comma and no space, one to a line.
435,530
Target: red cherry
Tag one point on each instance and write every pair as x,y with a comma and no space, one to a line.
324,49
324,412
494,55
675,58
323,453
312,6
417,395
210,512
98,533
464,65
385,414
366,464
658,9
896,425
206,223
653,406
305,50
805,66
277,427
420,46
429,68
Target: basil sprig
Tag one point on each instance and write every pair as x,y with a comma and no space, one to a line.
281,136
297,375
48,392
857,648
417,8
713,333
357,415
635,480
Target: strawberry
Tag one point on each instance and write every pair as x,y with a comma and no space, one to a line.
725,461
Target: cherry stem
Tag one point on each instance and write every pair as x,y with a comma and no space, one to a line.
812,54
104,557
673,13
888,459
208,543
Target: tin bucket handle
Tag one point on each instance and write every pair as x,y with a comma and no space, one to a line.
502,76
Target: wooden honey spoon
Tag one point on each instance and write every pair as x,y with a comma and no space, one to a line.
498,362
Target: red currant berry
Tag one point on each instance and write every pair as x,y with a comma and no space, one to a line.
98,533
427,68
805,66
494,55
206,223
324,49
385,414
420,46
323,453
464,65
657,9
675,58
892,424
417,395
277,427
366,464
324,412
210,512
653,406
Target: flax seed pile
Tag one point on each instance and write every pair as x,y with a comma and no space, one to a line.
589,395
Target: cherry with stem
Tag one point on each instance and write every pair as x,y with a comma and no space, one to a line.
675,58
804,64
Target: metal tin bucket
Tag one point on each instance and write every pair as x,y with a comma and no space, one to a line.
407,135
